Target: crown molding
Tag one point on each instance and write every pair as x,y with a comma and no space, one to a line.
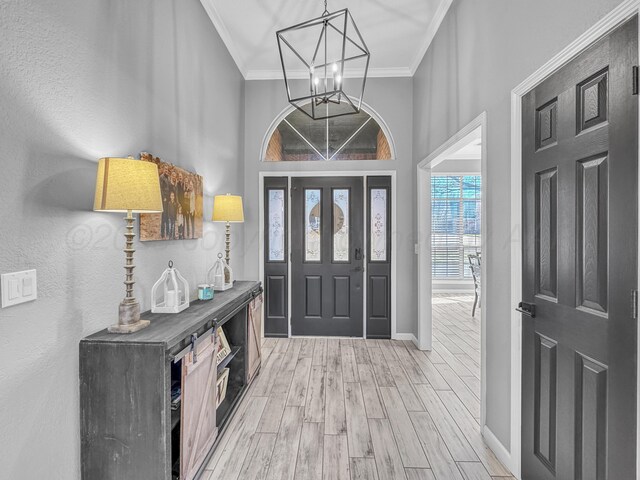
433,28
393,72
221,28
303,74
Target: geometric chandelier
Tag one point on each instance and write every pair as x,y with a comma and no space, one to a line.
316,55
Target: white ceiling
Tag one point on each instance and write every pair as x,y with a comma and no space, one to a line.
397,32
472,151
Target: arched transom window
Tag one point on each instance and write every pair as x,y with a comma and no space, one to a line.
298,138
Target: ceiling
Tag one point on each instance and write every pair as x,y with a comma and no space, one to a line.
397,33
472,151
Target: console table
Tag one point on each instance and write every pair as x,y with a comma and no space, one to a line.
128,427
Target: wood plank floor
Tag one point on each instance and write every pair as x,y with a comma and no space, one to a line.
347,409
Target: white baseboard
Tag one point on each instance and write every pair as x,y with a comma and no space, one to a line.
456,291
406,336
498,448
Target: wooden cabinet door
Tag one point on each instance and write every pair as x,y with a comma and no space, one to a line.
254,342
198,422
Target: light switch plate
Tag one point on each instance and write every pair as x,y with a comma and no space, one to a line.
18,287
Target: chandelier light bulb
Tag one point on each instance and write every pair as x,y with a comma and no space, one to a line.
335,67
338,80
316,81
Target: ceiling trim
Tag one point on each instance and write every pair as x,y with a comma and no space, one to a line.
434,26
221,28
219,25
304,74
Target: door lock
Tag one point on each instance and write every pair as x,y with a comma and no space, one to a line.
358,254
528,309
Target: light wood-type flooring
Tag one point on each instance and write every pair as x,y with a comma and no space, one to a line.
336,409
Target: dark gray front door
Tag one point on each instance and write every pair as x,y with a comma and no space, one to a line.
327,256
580,153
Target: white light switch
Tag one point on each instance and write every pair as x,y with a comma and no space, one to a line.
14,292
27,287
18,287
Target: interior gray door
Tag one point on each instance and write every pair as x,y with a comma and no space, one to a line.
580,196
327,256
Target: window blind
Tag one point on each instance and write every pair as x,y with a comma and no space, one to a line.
455,224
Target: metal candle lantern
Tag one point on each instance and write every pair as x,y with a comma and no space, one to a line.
220,275
175,290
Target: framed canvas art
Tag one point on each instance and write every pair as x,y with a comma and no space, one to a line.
182,202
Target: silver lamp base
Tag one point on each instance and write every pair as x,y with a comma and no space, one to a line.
129,320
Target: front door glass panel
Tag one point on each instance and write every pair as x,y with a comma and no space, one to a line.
341,225
313,225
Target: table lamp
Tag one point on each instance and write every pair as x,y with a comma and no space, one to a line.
228,208
128,185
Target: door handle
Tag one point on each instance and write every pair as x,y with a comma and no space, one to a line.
358,254
528,309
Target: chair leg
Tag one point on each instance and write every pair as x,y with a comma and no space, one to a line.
475,302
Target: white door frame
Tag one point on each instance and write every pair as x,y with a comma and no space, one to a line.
474,130
625,11
364,175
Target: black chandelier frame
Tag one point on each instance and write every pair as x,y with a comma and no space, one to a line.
325,97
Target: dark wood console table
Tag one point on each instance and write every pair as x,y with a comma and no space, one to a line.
128,427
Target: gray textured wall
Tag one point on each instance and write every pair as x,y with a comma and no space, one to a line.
392,99
81,79
481,52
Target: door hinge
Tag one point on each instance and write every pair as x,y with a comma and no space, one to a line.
634,304
636,86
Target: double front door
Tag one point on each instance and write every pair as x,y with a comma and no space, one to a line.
580,245
332,261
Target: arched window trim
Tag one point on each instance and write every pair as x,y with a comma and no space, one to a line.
365,107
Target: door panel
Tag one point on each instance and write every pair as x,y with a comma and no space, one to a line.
276,257
277,301
341,294
592,231
254,340
580,198
545,405
379,257
547,234
591,419
327,272
313,296
198,412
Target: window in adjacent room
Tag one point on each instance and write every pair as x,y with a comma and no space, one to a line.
455,224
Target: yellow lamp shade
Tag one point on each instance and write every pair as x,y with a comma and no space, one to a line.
228,208
124,184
